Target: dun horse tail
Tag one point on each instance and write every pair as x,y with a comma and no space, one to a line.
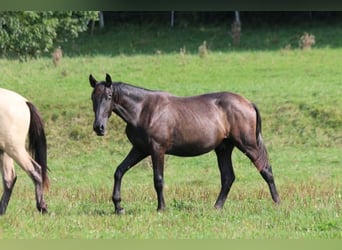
37,142
263,156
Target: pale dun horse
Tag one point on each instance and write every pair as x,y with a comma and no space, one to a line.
20,119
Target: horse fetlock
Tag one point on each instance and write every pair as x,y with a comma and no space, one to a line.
218,207
219,204
42,207
161,209
119,211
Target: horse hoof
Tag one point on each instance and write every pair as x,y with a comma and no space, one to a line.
277,201
120,211
43,211
161,210
218,207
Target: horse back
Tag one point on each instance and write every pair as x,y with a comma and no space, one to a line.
187,126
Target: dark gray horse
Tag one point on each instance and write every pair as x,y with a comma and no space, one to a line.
159,123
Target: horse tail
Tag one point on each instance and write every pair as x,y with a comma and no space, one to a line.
37,142
258,125
263,156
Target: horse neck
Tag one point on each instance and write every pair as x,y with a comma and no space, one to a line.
128,102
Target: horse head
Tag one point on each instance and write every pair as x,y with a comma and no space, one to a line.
102,98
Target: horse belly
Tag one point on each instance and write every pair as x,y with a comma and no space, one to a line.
188,150
193,143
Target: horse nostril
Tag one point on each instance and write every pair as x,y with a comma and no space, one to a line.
99,128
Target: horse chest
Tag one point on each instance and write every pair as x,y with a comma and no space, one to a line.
137,136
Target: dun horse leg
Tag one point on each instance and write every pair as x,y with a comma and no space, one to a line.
8,178
38,183
34,171
133,157
223,153
158,177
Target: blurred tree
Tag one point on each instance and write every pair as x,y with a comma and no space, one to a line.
29,33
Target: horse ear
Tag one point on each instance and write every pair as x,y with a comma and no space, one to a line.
108,79
92,81
108,82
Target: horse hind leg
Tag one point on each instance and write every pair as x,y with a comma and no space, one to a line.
223,153
258,155
36,176
267,174
34,171
8,178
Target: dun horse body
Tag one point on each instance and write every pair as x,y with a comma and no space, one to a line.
18,119
159,123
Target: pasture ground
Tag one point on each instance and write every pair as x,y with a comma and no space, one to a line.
297,91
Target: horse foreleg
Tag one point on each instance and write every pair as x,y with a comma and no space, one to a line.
223,153
133,157
8,178
158,176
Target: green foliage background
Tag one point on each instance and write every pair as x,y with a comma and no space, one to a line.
29,33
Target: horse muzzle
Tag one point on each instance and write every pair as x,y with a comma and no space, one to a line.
99,129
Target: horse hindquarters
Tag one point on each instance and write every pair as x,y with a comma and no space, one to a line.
249,140
8,178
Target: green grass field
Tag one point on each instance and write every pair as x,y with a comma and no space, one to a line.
299,96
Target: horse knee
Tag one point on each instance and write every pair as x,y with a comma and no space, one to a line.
158,182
